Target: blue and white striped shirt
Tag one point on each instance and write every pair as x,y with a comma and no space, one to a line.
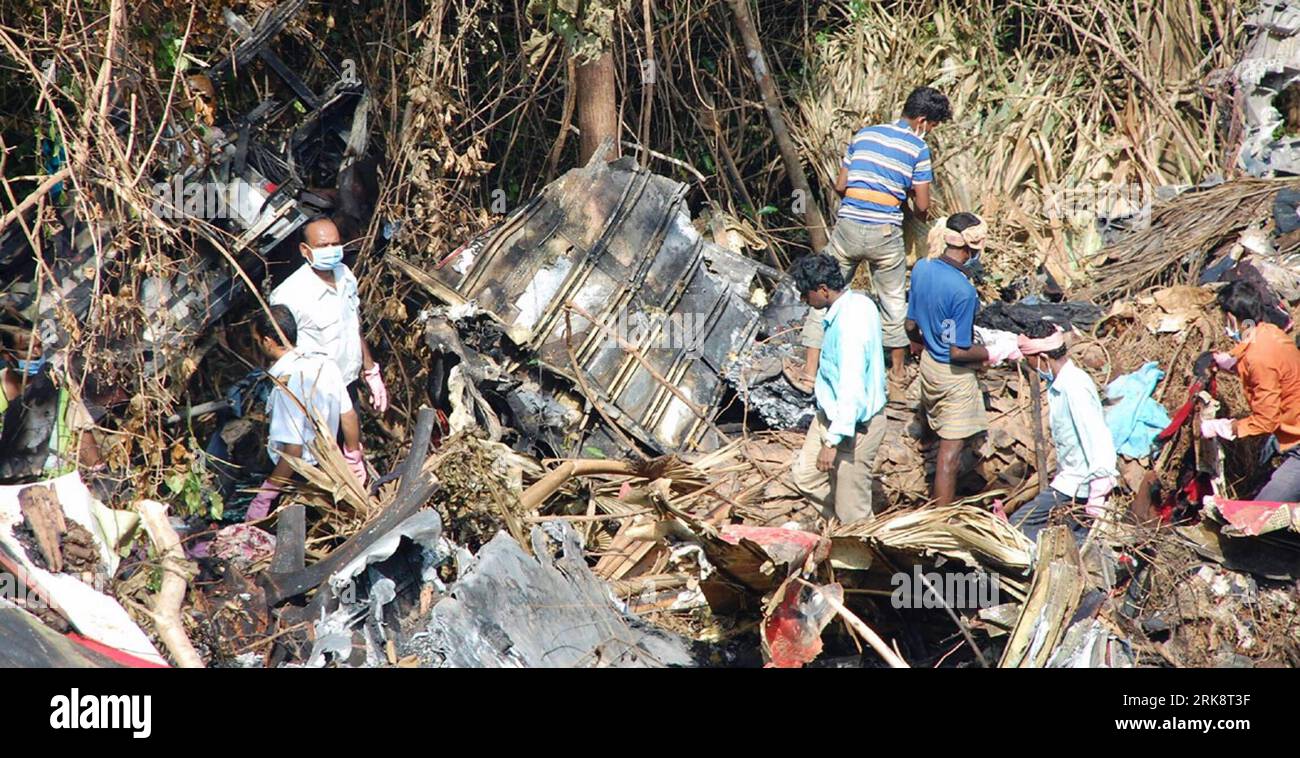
886,158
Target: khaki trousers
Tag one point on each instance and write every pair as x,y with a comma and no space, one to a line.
880,246
845,490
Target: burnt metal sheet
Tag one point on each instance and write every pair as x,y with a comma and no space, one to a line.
510,609
617,241
1269,65
31,644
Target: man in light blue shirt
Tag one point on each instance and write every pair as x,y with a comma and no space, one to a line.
1085,452
837,463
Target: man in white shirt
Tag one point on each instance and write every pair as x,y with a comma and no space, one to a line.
1085,452
322,294
837,463
305,383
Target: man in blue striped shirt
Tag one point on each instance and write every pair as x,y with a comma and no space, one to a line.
838,460
883,165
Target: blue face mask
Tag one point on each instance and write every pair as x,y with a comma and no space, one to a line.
1046,376
32,367
327,257
1233,334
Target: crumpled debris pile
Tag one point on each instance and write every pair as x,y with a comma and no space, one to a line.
507,539
483,482
509,608
600,475
1218,617
713,552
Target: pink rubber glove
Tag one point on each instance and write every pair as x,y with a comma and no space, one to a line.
1224,361
378,393
260,508
1098,492
1218,427
356,464
1003,351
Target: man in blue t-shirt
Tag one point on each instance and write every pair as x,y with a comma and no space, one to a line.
883,166
941,316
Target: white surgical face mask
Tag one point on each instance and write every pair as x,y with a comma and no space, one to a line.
326,257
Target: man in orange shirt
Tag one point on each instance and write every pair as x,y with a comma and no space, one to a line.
1268,364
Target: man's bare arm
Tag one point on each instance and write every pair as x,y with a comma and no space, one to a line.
913,331
921,201
350,423
842,182
283,472
972,354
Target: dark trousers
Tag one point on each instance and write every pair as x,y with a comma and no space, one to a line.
1284,485
1034,515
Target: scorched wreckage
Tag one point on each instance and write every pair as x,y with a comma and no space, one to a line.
280,391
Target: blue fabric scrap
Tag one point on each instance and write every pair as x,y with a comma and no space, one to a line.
1136,419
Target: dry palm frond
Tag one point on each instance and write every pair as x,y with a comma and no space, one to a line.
1181,238
966,533
344,503
1038,118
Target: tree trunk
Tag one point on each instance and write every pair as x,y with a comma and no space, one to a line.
772,104
597,106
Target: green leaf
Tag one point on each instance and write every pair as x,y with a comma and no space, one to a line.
593,451
176,483
767,210
169,47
